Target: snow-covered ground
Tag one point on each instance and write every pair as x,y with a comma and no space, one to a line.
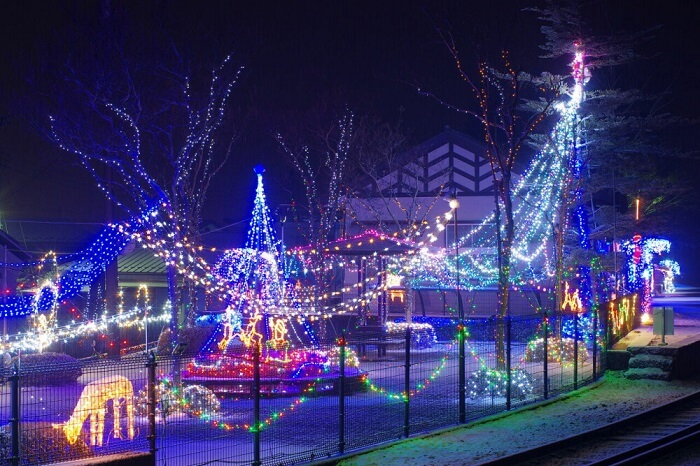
614,398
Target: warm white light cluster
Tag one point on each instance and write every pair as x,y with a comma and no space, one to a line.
37,339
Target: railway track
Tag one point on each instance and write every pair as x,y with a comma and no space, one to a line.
636,440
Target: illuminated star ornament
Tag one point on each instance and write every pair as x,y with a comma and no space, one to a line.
253,274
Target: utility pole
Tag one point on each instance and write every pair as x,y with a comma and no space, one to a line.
454,205
4,295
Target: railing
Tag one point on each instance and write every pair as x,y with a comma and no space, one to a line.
259,419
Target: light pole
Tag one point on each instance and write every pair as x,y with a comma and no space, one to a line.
4,296
454,205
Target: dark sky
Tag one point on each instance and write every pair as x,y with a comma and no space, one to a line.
298,55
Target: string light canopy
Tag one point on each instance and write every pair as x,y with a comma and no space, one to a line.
540,191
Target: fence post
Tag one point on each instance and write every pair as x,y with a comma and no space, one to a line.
545,349
151,394
575,350
341,394
14,419
407,384
594,337
256,405
509,381
604,316
462,373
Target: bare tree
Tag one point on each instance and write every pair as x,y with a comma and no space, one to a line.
392,193
322,175
154,161
511,106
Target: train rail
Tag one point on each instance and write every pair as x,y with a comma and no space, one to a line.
634,440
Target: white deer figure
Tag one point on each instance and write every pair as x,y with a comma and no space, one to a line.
93,404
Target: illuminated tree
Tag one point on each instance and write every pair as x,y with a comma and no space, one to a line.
322,173
511,106
626,139
389,184
152,154
392,192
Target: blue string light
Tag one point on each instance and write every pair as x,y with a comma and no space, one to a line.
86,267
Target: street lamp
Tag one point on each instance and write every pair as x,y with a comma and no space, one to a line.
454,205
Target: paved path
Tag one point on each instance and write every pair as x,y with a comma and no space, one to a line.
686,308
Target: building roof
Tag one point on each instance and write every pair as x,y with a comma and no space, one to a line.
39,237
448,162
139,266
6,241
141,261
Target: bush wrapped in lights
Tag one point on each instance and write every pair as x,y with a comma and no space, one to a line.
559,350
494,383
585,329
422,335
192,400
199,401
445,327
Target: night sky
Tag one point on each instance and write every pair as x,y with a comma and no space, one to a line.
298,56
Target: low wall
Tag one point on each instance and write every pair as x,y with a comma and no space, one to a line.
618,360
123,459
686,359
687,362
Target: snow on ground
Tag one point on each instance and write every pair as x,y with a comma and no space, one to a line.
613,399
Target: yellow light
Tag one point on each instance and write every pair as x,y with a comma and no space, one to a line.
572,300
92,405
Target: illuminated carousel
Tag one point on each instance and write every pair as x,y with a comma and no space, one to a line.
261,333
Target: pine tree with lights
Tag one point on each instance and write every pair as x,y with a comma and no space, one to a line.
256,289
626,152
253,274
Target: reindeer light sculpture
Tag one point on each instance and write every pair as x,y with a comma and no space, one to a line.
92,406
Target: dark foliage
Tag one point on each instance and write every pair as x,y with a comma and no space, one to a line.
42,444
48,369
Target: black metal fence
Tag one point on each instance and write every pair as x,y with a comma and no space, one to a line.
401,386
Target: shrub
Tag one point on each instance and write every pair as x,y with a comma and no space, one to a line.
49,369
422,334
494,383
193,400
559,350
42,444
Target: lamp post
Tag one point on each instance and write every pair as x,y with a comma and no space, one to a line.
454,205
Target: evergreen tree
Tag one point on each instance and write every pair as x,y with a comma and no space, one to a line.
628,145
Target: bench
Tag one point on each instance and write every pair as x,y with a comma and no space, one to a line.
372,335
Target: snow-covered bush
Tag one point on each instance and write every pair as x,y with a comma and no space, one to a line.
193,400
494,383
